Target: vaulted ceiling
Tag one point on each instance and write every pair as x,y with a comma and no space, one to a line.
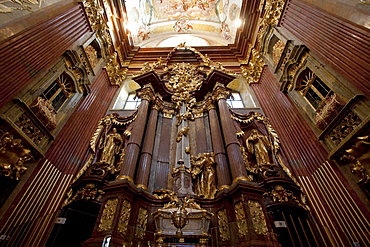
166,23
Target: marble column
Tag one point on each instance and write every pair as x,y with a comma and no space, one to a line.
134,144
143,169
222,169
232,145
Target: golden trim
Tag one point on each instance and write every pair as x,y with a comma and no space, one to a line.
241,178
125,177
224,187
142,186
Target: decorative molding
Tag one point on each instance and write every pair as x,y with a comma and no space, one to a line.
107,217
241,220
124,217
258,217
223,224
142,219
13,155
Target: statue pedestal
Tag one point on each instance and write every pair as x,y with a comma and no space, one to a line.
183,185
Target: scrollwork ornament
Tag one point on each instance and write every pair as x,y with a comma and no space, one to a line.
124,217
107,217
258,217
146,94
141,223
13,155
279,194
241,220
221,93
253,71
223,224
157,104
358,155
116,74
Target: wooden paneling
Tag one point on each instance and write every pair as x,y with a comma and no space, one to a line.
71,145
298,141
341,44
30,53
31,215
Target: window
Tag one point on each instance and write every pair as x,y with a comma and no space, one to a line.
132,102
235,101
59,91
314,89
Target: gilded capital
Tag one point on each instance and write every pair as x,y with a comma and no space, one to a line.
146,94
157,104
221,93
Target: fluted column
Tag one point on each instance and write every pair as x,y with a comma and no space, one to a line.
134,144
143,170
232,145
222,169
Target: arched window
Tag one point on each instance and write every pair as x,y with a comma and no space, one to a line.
313,88
59,91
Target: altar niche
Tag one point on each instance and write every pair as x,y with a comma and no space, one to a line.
185,169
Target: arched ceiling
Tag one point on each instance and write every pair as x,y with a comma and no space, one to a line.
164,23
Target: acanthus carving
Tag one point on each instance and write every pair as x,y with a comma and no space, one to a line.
19,5
124,217
258,217
220,93
141,223
146,94
359,158
272,13
107,217
204,175
348,124
223,224
241,220
116,74
282,195
88,192
13,155
28,127
253,71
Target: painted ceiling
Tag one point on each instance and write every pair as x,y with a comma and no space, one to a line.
167,23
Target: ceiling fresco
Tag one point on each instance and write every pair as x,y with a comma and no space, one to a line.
161,23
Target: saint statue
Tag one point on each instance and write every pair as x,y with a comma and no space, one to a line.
111,147
203,174
259,146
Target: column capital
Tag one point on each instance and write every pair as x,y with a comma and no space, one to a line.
221,93
146,93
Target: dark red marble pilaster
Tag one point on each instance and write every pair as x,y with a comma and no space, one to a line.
134,145
222,169
232,145
142,175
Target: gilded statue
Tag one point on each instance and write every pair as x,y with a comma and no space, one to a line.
111,146
204,176
259,145
12,156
